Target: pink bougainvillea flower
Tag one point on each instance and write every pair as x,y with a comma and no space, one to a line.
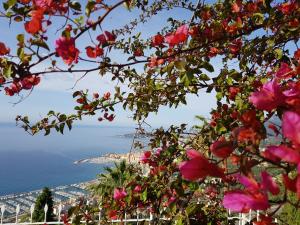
248,182
268,97
222,148
291,127
101,38
178,37
198,167
155,62
285,71
293,184
264,220
287,7
110,37
297,54
65,48
42,3
3,49
119,193
241,201
93,52
30,81
269,184
14,88
292,94
289,183
281,152
112,214
146,157
235,7
137,188
106,38
35,24
157,40
235,46
213,52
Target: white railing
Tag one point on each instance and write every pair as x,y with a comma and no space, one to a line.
58,212
244,218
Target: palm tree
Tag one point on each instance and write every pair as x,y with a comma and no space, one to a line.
118,176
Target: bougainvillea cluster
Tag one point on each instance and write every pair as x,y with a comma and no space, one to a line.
244,157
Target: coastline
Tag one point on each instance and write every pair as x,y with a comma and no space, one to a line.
112,157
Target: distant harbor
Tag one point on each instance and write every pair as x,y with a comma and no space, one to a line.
60,194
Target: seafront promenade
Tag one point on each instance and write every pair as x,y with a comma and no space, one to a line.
61,194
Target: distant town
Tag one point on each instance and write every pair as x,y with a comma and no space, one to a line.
61,195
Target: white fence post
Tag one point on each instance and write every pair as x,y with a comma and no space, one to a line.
100,209
31,212
17,213
250,215
151,218
45,210
59,212
2,213
137,215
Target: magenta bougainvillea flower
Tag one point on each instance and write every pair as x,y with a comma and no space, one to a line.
284,71
282,152
268,184
178,37
254,196
222,148
291,127
241,201
268,97
65,48
119,193
198,167
145,158
3,49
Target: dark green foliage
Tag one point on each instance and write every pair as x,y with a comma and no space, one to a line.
290,214
44,198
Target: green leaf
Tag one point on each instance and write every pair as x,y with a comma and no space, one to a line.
144,195
187,78
221,128
47,131
76,93
204,77
207,66
278,53
219,96
89,7
258,18
51,112
7,71
62,118
129,5
61,128
20,38
75,5
40,43
80,20
11,3
180,65
69,124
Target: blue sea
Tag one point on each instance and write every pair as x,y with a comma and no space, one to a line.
32,162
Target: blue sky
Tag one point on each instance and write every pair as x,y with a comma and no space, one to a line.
54,91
